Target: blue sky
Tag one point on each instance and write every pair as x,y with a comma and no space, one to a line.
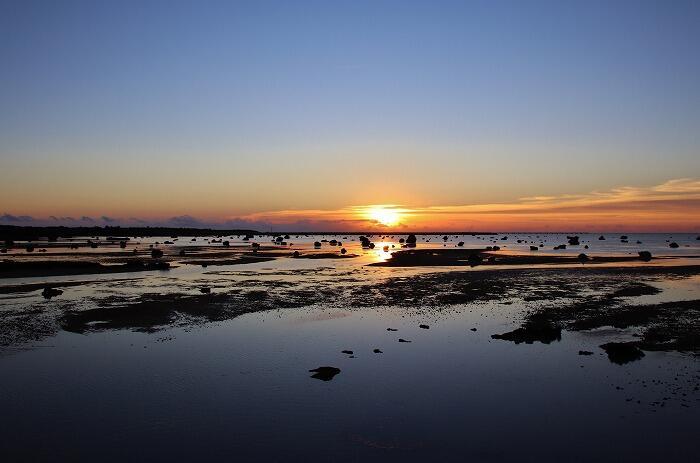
279,105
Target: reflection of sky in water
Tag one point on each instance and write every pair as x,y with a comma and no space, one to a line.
241,388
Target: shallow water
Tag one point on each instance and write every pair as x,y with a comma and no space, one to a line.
240,389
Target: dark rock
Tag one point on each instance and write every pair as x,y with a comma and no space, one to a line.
601,238
317,244
226,244
533,330
122,244
324,373
343,251
583,258
622,352
573,240
460,244
205,290
425,327
392,329
49,292
673,245
349,352
534,248
472,329
411,241
474,259
29,248
561,246
377,351
585,352
645,256
403,340
295,254
156,253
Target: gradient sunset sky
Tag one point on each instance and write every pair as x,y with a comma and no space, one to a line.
494,115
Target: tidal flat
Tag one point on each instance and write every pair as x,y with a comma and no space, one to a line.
296,351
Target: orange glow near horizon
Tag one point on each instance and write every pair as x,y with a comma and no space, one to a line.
670,206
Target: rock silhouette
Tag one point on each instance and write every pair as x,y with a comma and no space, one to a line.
534,330
49,292
622,352
324,373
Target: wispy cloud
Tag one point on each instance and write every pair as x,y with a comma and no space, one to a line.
670,206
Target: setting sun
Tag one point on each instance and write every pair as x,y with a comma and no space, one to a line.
384,216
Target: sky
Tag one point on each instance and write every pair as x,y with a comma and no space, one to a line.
432,115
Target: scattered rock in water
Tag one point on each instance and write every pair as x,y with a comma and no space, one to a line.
295,254
122,244
622,352
460,244
474,259
29,248
472,329
645,256
583,258
561,246
377,351
673,245
425,327
573,240
601,238
205,290
392,329
317,244
403,340
585,352
534,248
343,251
324,373
533,330
349,352
156,253
49,292
411,241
